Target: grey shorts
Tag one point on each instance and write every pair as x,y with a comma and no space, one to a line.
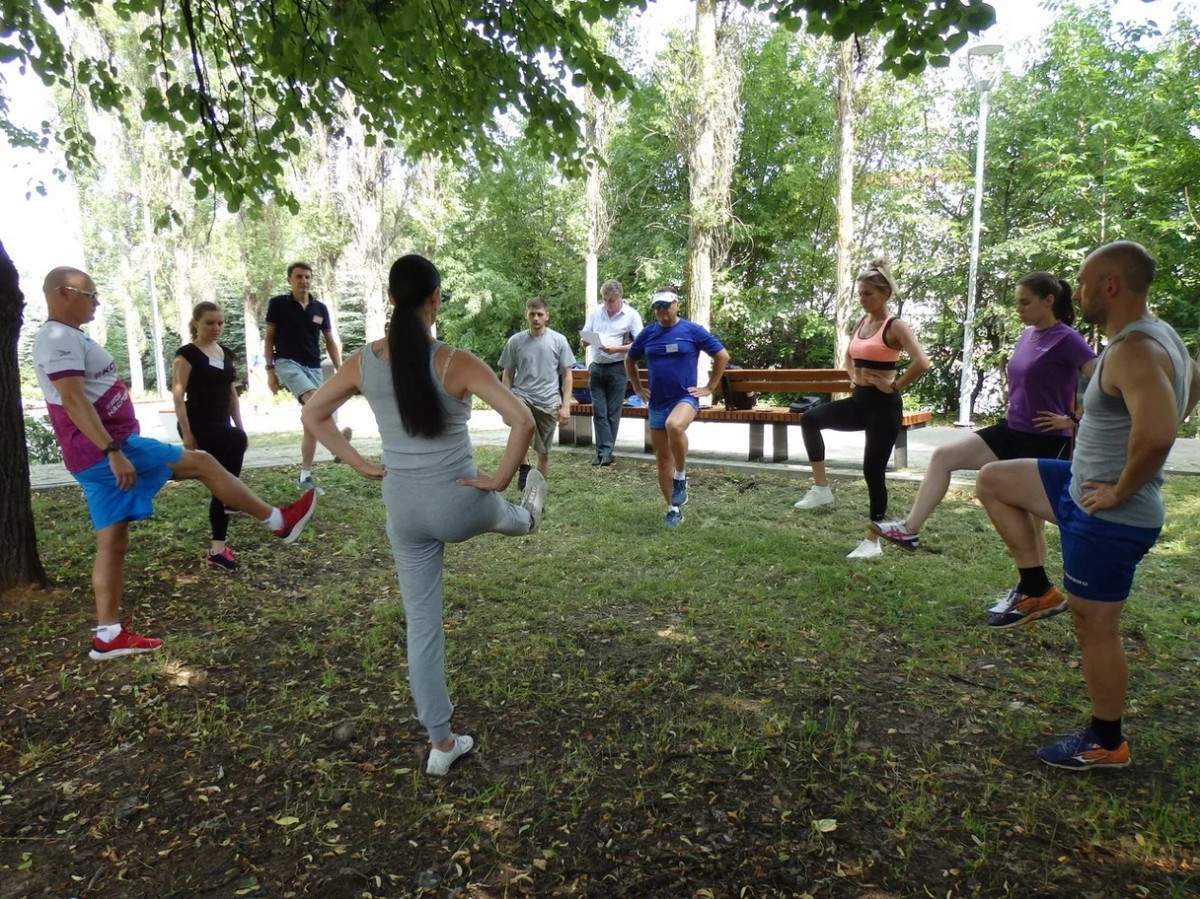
545,420
298,379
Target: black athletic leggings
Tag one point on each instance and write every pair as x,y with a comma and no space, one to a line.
227,445
869,410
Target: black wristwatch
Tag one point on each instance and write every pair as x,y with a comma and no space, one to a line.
270,366
1072,417
114,447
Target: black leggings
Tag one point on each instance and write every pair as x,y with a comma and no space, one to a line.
869,410
227,445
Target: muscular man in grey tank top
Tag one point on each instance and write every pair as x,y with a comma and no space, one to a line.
1107,502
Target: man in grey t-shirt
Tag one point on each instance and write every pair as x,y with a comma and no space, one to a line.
537,368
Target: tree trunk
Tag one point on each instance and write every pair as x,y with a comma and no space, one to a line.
156,326
599,225
705,206
845,307
256,375
133,339
19,562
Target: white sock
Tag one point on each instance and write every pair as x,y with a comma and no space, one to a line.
672,508
680,475
305,474
106,633
274,521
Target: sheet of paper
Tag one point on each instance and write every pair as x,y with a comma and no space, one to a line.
594,338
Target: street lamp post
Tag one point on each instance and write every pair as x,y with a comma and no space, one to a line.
983,65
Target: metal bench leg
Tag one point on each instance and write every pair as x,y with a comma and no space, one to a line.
756,442
566,433
901,451
647,445
779,443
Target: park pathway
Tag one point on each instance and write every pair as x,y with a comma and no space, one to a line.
712,444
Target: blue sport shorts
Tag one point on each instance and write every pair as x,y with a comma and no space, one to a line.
658,417
107,503
1099,557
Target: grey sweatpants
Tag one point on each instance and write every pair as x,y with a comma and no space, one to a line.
422,517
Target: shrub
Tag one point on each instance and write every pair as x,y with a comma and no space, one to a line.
40,443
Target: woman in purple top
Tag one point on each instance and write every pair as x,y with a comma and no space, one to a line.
1042,374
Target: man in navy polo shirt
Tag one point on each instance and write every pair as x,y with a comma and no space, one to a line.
295,322
672,347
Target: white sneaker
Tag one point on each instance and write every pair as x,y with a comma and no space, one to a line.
867,549
816,496
534,498
440,760
309,484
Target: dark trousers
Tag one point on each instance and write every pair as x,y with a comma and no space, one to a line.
607,382
227,445
867,409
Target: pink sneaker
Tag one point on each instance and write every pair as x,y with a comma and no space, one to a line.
126,643
223,560
296,516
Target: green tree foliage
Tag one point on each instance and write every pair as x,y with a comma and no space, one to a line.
521,235
433,73
779,311
919,32
238,80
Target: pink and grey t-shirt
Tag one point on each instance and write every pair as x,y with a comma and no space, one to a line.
60,351
1042,374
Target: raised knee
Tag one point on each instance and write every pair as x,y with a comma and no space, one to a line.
985,484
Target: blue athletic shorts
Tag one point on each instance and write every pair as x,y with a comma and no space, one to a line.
1099,557
107,503
658,417
296,378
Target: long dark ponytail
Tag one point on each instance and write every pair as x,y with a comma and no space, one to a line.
411,281
1045,284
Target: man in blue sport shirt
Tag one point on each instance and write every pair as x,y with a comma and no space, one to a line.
671,346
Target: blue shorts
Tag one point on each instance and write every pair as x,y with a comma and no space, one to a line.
1099,557
658,417
298,379
107,503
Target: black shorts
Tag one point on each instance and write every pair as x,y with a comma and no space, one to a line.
1008,443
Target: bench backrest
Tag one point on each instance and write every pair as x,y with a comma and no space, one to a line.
789,380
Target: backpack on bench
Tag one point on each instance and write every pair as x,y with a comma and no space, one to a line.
737,399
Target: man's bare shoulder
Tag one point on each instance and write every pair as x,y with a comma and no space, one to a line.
1133,358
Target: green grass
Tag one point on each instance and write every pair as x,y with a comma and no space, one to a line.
731,707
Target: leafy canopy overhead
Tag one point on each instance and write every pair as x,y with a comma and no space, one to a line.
238,81
920,32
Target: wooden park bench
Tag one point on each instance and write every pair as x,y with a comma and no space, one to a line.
800,381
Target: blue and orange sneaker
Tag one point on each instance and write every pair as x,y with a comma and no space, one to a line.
1017,608
679,493
674,516
1081,751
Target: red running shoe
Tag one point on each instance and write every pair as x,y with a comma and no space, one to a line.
296,516
124,644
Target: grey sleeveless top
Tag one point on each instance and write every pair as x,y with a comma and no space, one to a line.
447,455
1101,447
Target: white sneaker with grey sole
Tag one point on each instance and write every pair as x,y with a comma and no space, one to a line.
816,496
534,498
866,549
440,760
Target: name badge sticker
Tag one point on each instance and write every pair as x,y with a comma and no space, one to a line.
317,319
216,363
672,348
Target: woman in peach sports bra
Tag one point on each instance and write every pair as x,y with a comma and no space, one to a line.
875,405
